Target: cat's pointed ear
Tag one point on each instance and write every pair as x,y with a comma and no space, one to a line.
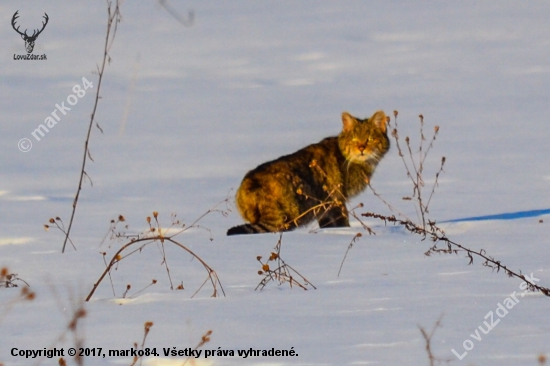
380,120
348,121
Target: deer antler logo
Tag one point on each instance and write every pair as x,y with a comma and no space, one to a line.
29,40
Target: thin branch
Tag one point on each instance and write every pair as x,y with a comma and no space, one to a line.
117,257
283,272
435,183
357,236
438,235
112,16
428,339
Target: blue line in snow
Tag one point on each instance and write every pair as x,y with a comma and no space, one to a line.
504,216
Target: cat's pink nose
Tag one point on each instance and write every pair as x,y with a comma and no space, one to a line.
361,147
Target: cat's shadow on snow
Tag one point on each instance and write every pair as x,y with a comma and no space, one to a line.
503,216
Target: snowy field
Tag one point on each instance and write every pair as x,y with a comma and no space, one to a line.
187,111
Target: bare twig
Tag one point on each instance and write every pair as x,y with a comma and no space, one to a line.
437,235
283,273
428,339
74,324
146,329
357,236
354,215
113,18
117,257
435,184
24,295
416,169
204,339
61,227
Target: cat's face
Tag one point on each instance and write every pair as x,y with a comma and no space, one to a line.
365,140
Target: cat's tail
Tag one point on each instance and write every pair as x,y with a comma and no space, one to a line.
248,229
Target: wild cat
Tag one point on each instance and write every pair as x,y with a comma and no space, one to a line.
295,189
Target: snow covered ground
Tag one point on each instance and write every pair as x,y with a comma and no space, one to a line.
187,111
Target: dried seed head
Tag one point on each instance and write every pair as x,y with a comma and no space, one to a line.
259,258
52,221
265,267
121,218
46,227
260,273
148,219
436,129
395,113
148,326
81,313
155,214
206,337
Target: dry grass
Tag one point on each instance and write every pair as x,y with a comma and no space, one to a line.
157,236
414,167
282,272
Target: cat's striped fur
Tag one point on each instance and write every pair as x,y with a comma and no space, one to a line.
314,182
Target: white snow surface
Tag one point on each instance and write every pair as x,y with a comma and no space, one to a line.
187,111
